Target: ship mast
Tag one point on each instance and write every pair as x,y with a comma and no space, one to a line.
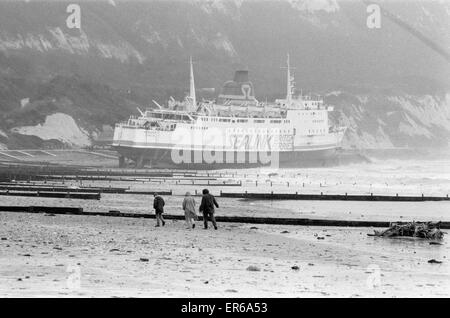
192,96
289,83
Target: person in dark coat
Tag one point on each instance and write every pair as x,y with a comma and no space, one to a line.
158,205
207,208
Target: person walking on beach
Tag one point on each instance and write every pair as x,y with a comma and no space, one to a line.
207,208
189,210
158,205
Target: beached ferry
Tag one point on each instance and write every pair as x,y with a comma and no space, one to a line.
236,130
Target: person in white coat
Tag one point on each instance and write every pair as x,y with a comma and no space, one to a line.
189,210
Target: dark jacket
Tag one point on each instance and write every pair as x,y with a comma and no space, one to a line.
208,203
158,204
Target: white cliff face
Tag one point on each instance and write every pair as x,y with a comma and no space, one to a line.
399,121
222,43
58,126
55,39
311,6
210,6
222,6
427,110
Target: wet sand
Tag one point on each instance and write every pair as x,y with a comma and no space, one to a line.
406,177
41,255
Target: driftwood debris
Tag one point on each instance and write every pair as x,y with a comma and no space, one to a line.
427,230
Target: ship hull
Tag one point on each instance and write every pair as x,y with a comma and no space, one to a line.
164,158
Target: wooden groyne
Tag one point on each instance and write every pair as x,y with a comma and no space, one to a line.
42,209
149,192
62,189
225,219
60,195
96,190
331,197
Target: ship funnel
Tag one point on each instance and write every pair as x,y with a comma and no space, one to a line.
241,76
239,90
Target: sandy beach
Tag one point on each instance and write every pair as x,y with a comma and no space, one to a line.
90,256
95,256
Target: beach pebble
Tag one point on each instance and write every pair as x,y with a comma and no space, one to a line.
253,268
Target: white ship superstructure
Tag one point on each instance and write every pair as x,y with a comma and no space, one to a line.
235,130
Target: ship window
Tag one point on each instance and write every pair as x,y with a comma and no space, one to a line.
169,116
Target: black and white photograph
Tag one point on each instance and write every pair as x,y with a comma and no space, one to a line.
224,149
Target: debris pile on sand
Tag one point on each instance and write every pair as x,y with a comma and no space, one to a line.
428,230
